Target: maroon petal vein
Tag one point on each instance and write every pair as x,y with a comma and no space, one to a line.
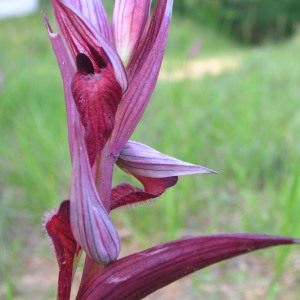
139,159
94,11
91,225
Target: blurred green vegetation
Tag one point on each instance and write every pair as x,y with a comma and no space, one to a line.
249,21
243,123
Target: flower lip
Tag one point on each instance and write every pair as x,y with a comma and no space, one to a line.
96,96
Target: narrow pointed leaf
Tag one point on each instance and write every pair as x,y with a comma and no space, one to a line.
59,230
81,37
125,194
141,85
129,21
136,276
91,225
142,160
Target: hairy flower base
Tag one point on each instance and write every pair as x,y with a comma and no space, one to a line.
67,250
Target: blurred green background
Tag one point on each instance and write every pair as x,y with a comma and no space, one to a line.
225,99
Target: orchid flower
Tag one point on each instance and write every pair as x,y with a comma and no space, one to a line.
109,71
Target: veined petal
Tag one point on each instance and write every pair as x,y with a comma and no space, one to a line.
142,76
94,11
81,37
142,160
91,225
67,70
129,21
155,34
136,276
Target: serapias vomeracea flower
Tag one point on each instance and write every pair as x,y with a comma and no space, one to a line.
109,71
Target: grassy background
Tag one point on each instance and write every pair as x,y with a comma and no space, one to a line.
243,124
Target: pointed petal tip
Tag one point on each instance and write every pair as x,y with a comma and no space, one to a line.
209,171
201,170
46,21
48,26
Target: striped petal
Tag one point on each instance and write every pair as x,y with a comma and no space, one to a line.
67,70
142,76
91,225
129,21
94,11
141,160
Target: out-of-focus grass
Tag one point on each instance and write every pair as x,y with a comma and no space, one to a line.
243,124
32,117
32,127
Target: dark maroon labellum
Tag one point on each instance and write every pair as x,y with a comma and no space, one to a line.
97,96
